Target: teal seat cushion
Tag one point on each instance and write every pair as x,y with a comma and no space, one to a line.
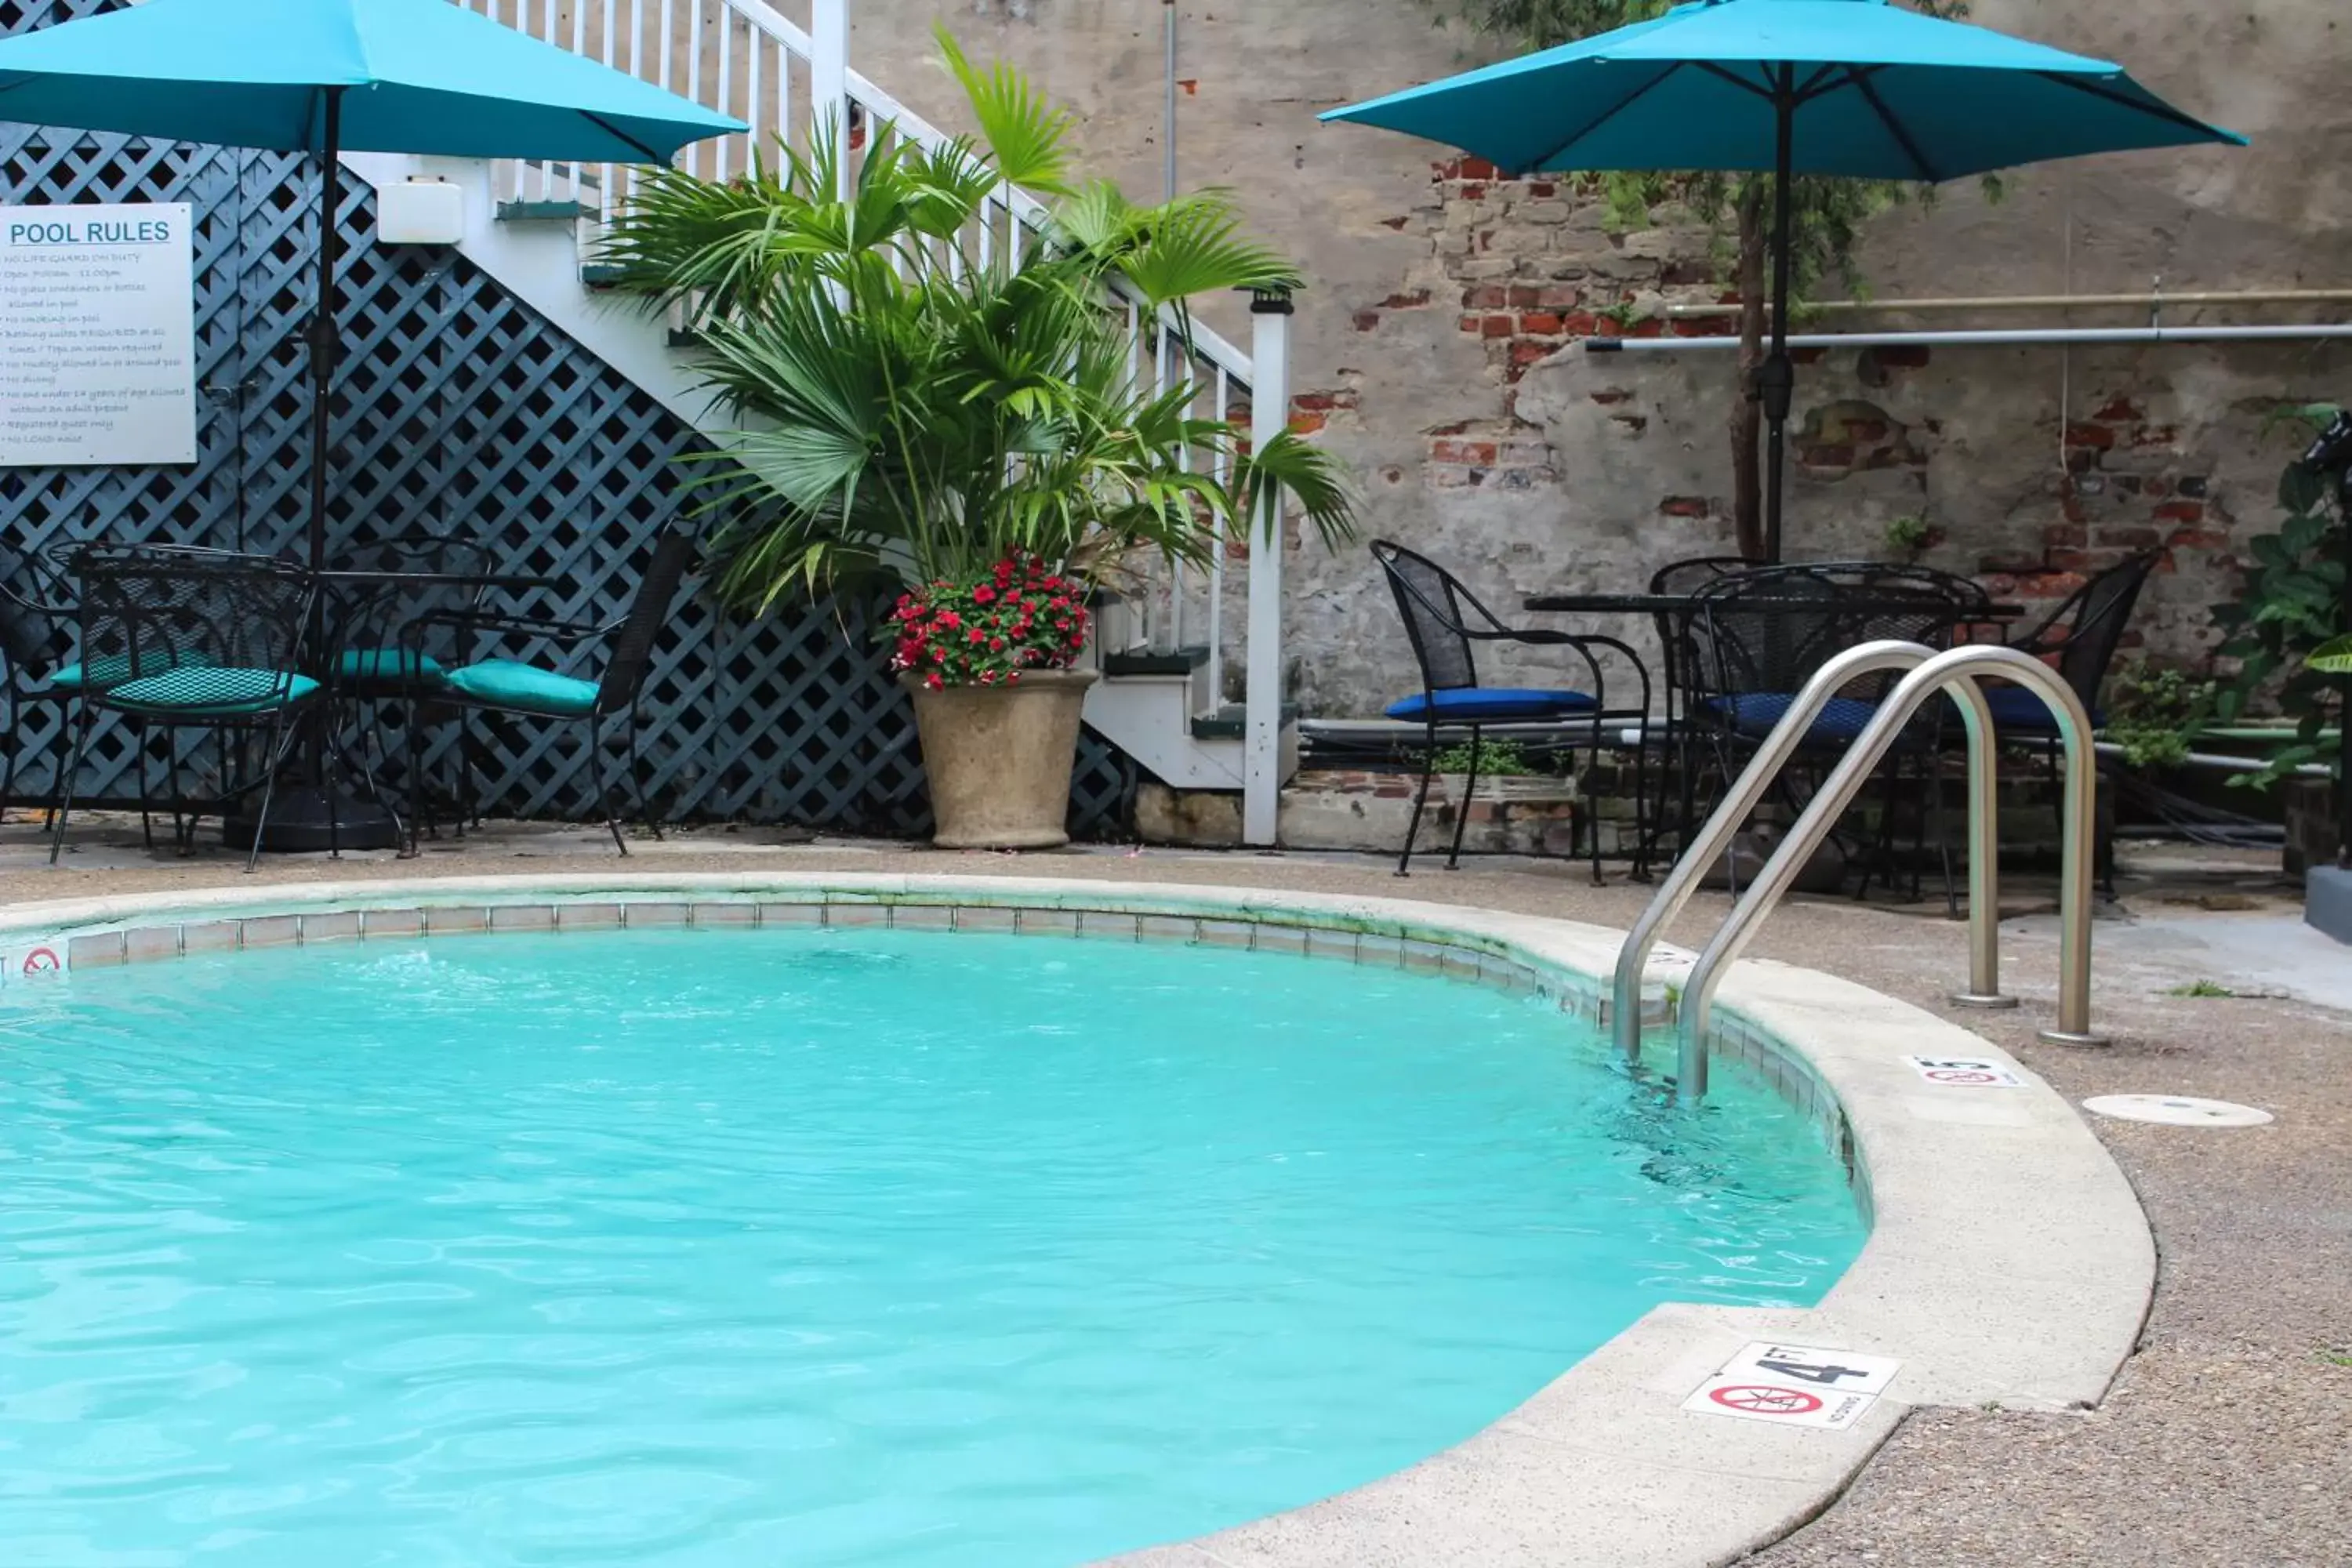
504,683
211,692
110,669
391,666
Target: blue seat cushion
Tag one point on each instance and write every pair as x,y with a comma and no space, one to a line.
110,669
389,666
526,687
2019,709
1841,719
1494,703
211,692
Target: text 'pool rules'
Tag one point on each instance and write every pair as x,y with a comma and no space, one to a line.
97,335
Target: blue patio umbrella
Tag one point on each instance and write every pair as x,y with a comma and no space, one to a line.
1858,88
328,75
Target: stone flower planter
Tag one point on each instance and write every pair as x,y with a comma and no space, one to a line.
999,758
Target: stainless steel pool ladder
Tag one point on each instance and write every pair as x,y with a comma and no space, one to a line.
1958,671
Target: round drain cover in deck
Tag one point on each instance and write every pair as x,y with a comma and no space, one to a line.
2176,1111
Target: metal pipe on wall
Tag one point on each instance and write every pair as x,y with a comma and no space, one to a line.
1988,338
2153,300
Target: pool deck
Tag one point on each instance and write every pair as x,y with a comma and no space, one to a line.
2223,1440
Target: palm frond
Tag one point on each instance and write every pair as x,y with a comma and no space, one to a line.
1025,130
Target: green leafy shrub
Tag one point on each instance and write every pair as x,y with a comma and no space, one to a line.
2286,626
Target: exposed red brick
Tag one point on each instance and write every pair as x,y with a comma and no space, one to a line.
1633,423
1456,429
1498,327
2083,433
1405,301
1468,323
2181,512
1461,452
1485,297
2166,566
1867,430
1306,424
2198,539
1366,321
1316,400
2156,435
1542,324
1473,192
1524,297
1526,354
1395,223
1683,506
2047,585
2129,537
1558,297
1579,325
1469,168
1608,394
1704,327
2072,510
2120,411
2064,533
1543,188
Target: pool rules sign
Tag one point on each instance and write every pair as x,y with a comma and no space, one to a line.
97,335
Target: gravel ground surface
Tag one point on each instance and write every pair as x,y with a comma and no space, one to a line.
2227,1440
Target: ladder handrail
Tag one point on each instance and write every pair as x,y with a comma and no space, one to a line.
1682,878
1958,671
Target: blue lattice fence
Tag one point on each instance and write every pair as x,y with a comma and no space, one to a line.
461,410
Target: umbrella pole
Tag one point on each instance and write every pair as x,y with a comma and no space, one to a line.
322,326
1776,378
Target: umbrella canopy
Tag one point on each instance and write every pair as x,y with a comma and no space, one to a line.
418,75
1858,88
330,75
1875,92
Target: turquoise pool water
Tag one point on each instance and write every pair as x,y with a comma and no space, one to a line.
768,1248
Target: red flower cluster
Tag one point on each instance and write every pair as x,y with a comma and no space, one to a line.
1019,616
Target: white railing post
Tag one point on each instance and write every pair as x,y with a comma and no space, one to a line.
1261,697
829,78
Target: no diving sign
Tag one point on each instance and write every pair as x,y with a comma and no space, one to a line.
1966,1072
1795,1385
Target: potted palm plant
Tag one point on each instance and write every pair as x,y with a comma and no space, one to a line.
965,420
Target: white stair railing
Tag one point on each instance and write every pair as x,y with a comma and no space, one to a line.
746,58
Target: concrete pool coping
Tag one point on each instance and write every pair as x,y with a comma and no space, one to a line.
2009,1262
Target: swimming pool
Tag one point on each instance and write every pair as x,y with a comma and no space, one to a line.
809,1247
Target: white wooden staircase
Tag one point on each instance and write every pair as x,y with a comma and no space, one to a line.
534,228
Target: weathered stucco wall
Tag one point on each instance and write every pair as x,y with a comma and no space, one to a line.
1438,345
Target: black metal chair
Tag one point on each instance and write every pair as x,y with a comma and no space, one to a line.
1755,638
1676,655
528,690
181,639
2080,639
37,610
1445,623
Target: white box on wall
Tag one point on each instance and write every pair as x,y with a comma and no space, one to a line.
420,212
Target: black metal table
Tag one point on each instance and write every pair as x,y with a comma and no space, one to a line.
313,815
